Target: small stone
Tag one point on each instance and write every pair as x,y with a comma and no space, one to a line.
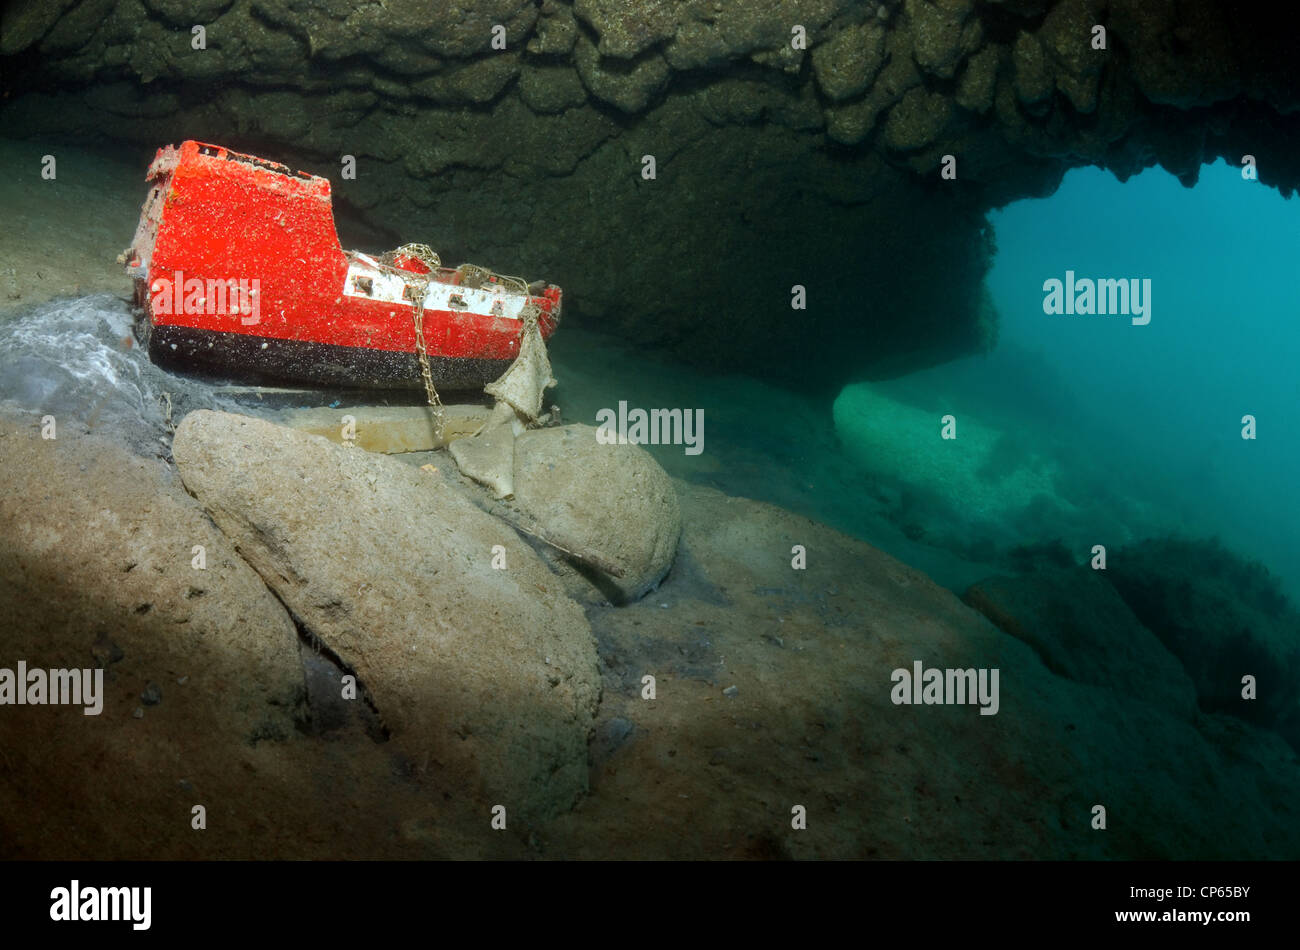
731,691
139,712
152,695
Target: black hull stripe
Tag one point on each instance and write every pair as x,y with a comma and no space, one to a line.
244,358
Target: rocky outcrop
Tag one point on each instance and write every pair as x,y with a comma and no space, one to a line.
793,143
612,502
771,672
774,690
1225,618
481,669
1176,622
969,484
1082,630
106,564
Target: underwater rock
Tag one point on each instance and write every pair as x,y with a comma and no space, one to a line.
484,673
550,90
851,122
387,429
981,487
812,722
628,29
612,506
556,30
978,79
942,35
1227,54
917,120
1083,631
1077,66
21,25
1224,618
846,63
477,83
97,541
629,89
106,563
1033,76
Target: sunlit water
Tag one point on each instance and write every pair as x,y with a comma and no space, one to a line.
1153,412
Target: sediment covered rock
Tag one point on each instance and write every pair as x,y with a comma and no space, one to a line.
1224,618
1082,630
483,671
773,669
107,564
774,690
612,503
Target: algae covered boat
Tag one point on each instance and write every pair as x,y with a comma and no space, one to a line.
238,270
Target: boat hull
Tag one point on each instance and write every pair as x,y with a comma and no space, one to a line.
239,273
244,358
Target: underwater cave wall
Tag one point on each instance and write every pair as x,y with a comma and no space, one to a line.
798,143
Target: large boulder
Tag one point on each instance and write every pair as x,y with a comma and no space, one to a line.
613,506
481,669
107,564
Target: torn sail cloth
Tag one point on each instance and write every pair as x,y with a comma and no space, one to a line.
488,456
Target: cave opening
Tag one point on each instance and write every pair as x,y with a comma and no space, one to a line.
1090,428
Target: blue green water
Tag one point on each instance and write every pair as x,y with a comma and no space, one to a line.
1223,342
1147,414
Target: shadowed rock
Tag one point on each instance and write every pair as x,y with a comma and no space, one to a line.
1082,630
485,675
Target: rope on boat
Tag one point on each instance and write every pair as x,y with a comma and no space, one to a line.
417,285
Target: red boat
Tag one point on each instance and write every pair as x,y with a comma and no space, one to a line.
238,270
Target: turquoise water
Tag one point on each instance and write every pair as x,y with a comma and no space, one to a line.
1150,413
1223,340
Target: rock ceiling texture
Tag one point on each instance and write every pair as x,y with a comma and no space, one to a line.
794,143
